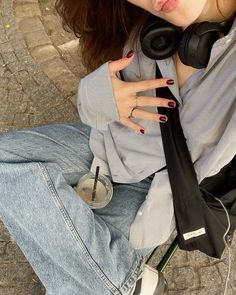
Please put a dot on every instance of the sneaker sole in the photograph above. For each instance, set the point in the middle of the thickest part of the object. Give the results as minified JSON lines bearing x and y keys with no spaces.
{"x":161,"y":288}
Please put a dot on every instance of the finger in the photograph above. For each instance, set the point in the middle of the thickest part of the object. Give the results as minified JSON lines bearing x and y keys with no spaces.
{"x":148,"y":84}
{"x":141,"y":114}
{"x":120,"y":64}
{"x":129,"y":123}
{"x":155,"y":102}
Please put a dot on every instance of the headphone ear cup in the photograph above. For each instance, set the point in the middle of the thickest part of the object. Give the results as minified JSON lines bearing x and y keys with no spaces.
{"x":159,"y":39}
{"x":196,"y":44}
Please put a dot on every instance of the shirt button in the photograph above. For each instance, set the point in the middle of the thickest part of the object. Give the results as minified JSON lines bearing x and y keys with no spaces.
{"x":140,"y":213}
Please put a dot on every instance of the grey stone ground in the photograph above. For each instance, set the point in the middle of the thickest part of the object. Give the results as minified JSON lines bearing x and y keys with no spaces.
{"x":39,"y":73}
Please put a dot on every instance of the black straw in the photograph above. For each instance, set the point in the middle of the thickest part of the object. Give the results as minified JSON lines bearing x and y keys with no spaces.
{"x":95,"y":184}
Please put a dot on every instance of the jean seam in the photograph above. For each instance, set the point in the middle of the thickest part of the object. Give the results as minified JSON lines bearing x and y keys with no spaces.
{"x":129,"y":283}
{"x":93,"y":264}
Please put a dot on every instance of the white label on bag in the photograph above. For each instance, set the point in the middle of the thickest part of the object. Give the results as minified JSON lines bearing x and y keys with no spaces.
{"x":195,"y":233}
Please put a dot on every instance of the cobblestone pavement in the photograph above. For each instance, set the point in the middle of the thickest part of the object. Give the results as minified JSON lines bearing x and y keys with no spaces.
{"x":39,"y":73}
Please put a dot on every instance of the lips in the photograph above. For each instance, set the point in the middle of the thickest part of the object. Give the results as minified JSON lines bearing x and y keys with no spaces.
{"x":158,"y":4}
{"x":165,"y":5}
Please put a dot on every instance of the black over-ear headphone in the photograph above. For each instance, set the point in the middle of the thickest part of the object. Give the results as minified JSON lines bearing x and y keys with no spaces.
{"x":160,"y":39}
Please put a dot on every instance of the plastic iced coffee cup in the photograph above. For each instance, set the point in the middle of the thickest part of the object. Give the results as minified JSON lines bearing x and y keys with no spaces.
{"x":95,"y":191}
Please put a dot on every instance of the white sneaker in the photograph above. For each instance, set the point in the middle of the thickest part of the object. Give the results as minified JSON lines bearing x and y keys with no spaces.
{"x":150,"y":282}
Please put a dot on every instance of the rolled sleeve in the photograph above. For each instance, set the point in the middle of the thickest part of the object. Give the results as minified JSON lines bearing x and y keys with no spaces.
{"x":95,"y":99}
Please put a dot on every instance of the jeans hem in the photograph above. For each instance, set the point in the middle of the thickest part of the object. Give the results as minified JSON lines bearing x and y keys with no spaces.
{"x":129,"y":283}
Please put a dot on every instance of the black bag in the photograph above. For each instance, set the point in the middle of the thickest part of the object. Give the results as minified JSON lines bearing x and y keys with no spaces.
{"x":200,"y":217}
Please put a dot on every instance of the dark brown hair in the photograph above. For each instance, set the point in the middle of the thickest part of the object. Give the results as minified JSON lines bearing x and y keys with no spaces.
{"x":103,"y":26}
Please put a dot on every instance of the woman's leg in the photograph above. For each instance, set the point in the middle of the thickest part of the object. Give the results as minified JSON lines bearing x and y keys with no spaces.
{"x":72,"y":250}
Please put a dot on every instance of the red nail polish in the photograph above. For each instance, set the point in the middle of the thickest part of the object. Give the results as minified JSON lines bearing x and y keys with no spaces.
{"x":142,"y":131}
{"x":170,"y":82}
{"x":130,"y":54}
{"x":171,"y":104}
{"x":163,"y":119}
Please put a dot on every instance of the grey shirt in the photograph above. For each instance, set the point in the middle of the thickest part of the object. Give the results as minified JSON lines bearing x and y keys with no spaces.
{"x":208,"y":116}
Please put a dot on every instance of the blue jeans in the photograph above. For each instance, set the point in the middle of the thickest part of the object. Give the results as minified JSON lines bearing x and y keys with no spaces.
{"x":73,"y":249}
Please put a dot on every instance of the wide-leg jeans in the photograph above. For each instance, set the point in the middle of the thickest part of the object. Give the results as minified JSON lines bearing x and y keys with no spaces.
{"x":74,"y":250}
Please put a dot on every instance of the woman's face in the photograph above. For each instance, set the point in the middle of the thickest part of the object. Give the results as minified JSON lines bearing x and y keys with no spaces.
{"x":178,"y":12}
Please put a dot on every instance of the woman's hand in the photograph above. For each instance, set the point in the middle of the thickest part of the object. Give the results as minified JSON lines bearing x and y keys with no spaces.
{"x":127,"y":101}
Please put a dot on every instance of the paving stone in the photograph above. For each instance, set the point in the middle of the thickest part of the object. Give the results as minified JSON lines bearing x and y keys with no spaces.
{"x":12,"y":32}
{"x":61,"y":113}
{"x":41,"y":78}
{"x":21,"y":120}
{"x":16,"y":107}
{"x":11,"y":274}
{"x":29,"y":86}
{"x":36,"y":120}
{"x":3,"y":246}
{"x":53,"y":28}
{"x":1,"y":59}
{"x":200,"y":259}
{"x":54,"y":68}
{"x":44,"y":53}
{"x":4,"y":109}
{"x":3,"y":38}
{"x":22,"y":54}
{"x":5,"y":47}
{"x":9,"y":57}
{"x":6,"y":72}
{"x":183,"y":292}
{"x":7,"y":10}
{"x":18,"y":43}
{"x":37,"y":38}
{"x":15,"y":36}
{"x":6,"y":119}
{"x":67,"y":84}
{"x":184,"y":278}
{"x":20,"y":2}
{"x":73,"y":99}
{"x":180,"y":259}
{"x":71,"y":56}
{"x":31,"y":24}
{"x":14,"y":85}
{"x":13,"y":254}
{"x":27,"y":10}
{"x":30,"y":66}
{"x":211,"y":279}
{"x":21,"y":76}
{"x":43,"y":102}
{"x":23,"y":289}
{"x":223,"y":268}
{"x":7,"y":6}
{"x":3,"y":83}
{"x":2,"y":70}
{"x":15,"y":67}
{"x":4,"y":95}
{"x":1,"y":23}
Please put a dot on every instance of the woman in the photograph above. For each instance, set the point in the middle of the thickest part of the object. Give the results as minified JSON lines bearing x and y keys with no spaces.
{"x":73,"y":249}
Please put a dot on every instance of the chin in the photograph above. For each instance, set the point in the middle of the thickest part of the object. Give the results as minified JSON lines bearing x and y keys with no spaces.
{"x":178,"y":19}
{"x":187,"y":12}
{"x":182,"y":23}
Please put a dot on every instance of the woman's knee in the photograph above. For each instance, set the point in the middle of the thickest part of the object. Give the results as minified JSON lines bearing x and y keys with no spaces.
{"x":66,"y":143}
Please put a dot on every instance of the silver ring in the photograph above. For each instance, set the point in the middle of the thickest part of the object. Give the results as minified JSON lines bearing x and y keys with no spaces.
{"x":136,"y":105}
{"x":131,"y":113}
